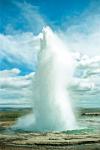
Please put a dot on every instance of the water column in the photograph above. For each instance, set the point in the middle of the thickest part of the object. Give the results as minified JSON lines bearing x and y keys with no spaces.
{"x":52,"y":105}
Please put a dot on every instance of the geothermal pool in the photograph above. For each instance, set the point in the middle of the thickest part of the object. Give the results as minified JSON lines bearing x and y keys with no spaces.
{"x":87,"y":137}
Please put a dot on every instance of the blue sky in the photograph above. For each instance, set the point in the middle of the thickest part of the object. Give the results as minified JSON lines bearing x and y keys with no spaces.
{"x":78,"y":21}
{"x":17,"y":17}
{"x":53,"y":11}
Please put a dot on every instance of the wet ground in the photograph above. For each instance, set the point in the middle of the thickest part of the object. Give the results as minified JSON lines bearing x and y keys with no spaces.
{"x":86,"y":138}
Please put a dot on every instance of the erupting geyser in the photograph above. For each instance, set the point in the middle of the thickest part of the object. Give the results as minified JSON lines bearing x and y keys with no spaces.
{"x":52,"y":110}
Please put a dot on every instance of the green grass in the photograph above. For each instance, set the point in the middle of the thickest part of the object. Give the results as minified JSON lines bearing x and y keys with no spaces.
{"x":12,"y":115}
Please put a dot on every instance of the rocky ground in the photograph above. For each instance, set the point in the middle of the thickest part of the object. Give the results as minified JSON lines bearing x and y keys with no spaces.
{"x":25,"y":141}
{"x":83,"y":139}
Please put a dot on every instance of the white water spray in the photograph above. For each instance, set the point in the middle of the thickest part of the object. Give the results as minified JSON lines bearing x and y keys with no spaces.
{"x":52,"y":110}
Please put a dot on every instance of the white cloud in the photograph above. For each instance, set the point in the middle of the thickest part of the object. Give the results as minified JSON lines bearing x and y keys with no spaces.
{"x":30,"y":13}
{"x":87,"y":75}
{"x":7,"y":73}
{"x":83,"y":39}
{"x":87,"y":44}
{"x":15,"y":88}
{"x":90,"y":66}
{"x":83,"y":32}
{"x":21,"y":48}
